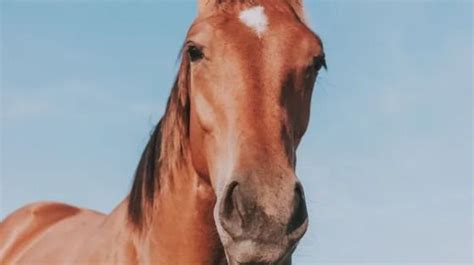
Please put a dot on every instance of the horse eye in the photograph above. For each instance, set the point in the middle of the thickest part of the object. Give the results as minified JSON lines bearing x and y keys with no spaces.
{"x":195,"y":53}
{"x":319,"y":62}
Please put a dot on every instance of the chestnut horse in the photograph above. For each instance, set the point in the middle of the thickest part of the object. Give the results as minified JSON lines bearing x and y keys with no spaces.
{"x":216,"y":183}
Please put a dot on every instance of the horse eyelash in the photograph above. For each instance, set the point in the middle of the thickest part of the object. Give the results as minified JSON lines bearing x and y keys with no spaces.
{"x":195,"y":53}
{"x":193,"y":50}
{"x":320,"y":62}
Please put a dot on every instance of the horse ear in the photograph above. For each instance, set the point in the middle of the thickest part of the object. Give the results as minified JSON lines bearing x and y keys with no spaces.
{"x":297,"y":6}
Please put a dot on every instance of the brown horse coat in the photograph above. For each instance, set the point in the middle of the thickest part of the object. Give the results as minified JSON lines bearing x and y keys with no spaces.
{"x":216,"y":183}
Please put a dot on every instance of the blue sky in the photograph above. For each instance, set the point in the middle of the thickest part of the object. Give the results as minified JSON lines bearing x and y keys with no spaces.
{"x":386,"y":163}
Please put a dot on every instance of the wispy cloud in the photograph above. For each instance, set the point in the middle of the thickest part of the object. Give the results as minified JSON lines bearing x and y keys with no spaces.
{"x":28,"y":108}
{"x":72,"y":99}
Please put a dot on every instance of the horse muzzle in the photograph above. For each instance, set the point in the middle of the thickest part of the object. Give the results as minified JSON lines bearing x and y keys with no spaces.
{"x":252,"y":235}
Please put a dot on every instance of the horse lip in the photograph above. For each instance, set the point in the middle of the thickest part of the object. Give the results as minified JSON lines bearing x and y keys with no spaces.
{"x":284,"y":260}
{"x":248,"y":251}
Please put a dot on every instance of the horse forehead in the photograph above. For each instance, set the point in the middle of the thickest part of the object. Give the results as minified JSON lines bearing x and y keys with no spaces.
{"x":265,"y":20}
{"x":255,"y":35}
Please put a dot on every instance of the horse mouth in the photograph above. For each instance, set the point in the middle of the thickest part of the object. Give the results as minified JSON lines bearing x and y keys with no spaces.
{"x":271,"y":256}
{"x":240,"y":251}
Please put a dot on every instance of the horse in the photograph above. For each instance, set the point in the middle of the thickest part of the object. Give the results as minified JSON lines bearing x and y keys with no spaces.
{"x":216,"y":183}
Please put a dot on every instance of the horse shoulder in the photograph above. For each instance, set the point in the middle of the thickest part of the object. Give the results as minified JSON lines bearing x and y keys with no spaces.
{"x":20,"y":229}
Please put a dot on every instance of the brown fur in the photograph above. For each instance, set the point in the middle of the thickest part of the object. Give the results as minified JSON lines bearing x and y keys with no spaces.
{"x":216,"y":182}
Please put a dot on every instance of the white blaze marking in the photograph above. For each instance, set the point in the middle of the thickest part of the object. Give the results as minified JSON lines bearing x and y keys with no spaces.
{"x":255,"y":18}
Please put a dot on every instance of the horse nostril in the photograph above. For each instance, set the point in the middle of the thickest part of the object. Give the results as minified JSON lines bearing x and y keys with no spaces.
{"x":228,"y":206}
{"x":300,"y":213}
{"x":232,"y":209}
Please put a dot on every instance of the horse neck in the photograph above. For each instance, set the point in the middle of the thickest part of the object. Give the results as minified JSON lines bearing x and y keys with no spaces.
{"x":182,"y":228}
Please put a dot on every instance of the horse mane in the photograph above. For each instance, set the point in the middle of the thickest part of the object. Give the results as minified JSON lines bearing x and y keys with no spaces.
{"x":164,"y":151}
